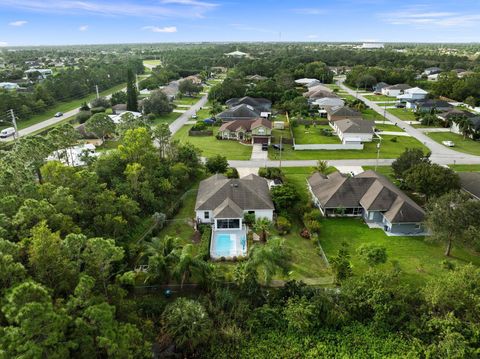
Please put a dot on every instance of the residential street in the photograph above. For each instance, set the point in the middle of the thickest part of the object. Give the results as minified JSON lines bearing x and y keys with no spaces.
{"x":185,"y":117}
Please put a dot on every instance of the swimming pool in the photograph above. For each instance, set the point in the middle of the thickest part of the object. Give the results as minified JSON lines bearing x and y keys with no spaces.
{"x":228,"y":244}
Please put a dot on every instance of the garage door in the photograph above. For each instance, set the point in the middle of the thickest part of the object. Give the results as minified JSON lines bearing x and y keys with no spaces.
{"x":260,"y":140}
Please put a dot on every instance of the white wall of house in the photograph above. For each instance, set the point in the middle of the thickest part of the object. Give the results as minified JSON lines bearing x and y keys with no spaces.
{"x":353,"y":137}
{"x":262,"y":213}
{"x":391,"y":93}
{"x":202,"y":217}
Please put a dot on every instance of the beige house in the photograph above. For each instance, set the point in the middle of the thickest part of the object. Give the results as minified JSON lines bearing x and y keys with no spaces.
{"x":256,"y":131}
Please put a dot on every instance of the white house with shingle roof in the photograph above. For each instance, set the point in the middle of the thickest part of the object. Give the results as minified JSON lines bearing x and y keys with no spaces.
{"x":353,"y":131}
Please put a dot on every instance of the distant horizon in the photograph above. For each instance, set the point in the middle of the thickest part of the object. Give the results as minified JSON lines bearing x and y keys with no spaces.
{"x":94,"y":22}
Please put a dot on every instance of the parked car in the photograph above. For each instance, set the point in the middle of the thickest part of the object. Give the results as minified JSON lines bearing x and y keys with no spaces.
{"x":194,"y":117}
{"x":209,"y":121}
{"x":400,"y":105}
{"x":7,"y":132}
{"x":59,"y":114}
{"x":449,"y":143}
{"x":264,"y":146}
{"x":278,"y":147}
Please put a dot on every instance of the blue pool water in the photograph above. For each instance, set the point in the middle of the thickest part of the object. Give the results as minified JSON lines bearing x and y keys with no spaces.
{"x":223,"y":244}
{"x":229,"y":245}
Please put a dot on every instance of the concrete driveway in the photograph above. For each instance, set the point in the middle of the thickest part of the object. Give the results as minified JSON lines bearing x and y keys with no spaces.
{"x":258,"y":154}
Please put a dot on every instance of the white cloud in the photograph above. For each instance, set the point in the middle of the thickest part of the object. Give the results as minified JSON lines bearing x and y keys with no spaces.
{"x":3,"y":43}
{"x":309,"y":11}
{"x":168,"y":29}
{"x":18,"y":23}
{"x":83,"y":28}
{"x":421,"y":16}
{"x":165,"y":8}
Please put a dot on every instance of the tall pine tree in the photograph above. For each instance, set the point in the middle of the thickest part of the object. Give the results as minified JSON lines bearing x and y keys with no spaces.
{"x":132,"y":102}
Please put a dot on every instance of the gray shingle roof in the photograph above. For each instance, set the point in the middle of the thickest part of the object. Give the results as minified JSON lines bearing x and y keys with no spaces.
{"x":247,"y":125}
{"x":258,"y":103}
{"x":354,"y":126}
{"x":369,"y":190}
{"x":239,"y":112}
{"x":343,"y":111}
{"x":248,"y":193}
{"x":228,"y":209}
{"x":470,"y":182}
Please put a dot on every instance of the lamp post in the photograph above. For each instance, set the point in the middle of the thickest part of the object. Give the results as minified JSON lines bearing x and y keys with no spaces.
{"x":378,"y":154}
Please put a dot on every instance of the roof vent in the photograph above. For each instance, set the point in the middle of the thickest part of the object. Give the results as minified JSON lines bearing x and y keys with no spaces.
{"x":234,"y":185}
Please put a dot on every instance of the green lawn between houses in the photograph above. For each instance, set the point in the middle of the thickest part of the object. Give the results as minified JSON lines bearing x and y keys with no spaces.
{"x":465,"y":168}
{"x":402,"y":114}
{"x":313,"y":135}
{"x":370,"y":114}
{"x":462,"y":145}
{"x":168,"y":118}
{"x":388,"y":127}
{"x":388,"y":149}
{"x":418,"y":259}
{"x":377,"y":98}
{"x":186,"y":100}
{"x":210,"y":146}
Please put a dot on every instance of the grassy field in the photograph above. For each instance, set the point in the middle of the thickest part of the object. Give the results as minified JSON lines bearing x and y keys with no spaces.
{"x":379,"y":98}
{"x":418,"y":259}
{"x":388,"y":127}
{"x":65,"y":107}
{"x":152,"y":62}
{"x":210,"y":146}
{"x":168,"y":118}
{"x":402,"y":114}
{"x":465,"y":168}
{"x":187,"y":100}
{"x":313,"y":135}
{"x":370,"y":114}
{"x":388,"y":149}
{"x":462,"y":145}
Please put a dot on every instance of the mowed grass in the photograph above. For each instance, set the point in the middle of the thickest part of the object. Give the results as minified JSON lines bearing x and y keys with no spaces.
{"x":377,"y":98}
{"x":168,"y":118}
{"x":210,"y":146}
{"x":402,"y":114}
{"x":370,"y":114}
{"x":388,"y":127}
{"x":187,"y":100}
{"x":462,"y":145}
{"x":152,"y":62}
{"x":65,"y":107}
{"x":465,"y":168}
{"x":314,"y":135}
{"x":418,"y":259}
{"x":388,"y":149}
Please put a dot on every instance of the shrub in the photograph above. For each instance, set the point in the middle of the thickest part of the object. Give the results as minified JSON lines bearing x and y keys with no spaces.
{"x":271,"y":173}
{"x":283,"y":225}
{"x":199,"y":126}
{"x":293,"y":123}
{"x":372,"y":254}
{"x":83,"y":116}
{"x":448,"y":265}
{"x":312,"y":215}
{"x":95,"y":110}
{"x":249,"y":219}
{"x":232,"y":172}
{"x":393,"y":139}
{"x":305,"y":233}
{"x":313,"y":226}
{"x":151,"y":117}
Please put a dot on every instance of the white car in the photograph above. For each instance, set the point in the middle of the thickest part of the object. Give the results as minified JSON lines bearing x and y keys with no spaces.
{"x":448,"y":143}
{"x":7,"y":132}
{"x":59,"y":114}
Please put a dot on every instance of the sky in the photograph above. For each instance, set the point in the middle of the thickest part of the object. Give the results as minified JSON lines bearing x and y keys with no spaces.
{"x":62,"y":22}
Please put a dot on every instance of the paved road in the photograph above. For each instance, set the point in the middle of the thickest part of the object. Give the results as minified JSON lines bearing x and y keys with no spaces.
{"x":184,"y":117}
{"x":440,"y":153}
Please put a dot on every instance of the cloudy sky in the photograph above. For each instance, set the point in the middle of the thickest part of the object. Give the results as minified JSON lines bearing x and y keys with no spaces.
{"x":51,"y":22}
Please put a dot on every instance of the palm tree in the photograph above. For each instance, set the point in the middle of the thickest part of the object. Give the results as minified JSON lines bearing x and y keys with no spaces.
{"x":189,"y":264}
{"x":215,"y":108}
{"x":262,"y":225}
{"x":268,"y":259}
{"x":322,"y":167}
{"x":162,"y":254}
{"x":464,"y":124}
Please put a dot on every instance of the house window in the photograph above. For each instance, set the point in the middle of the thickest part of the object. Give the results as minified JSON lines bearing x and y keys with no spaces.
{"x":206,"y":214}
{"x":228,"y":223}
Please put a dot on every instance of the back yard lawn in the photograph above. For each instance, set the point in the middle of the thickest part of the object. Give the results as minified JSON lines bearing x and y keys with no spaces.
{"x":314,"y":135}
{"x":418,"y":259}
{"x":370,"y":114}
{"x":462,"y":145}
{"x":388,"y":149}
{"x":402,"y":114}
{"x":210,"y":146}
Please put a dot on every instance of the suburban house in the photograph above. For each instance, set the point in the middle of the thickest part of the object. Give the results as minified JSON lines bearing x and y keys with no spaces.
{"x":395,"y":90}
{"x":239,"y":112}
{"x":223,"y":202}
{"x":259,"y":104}
{"x":452,"y":113}
{"x":414,"y":93}
{"x":325,"y":103}
{"x":256,"y":78}
{"x":433,"y":77}
{"x":342,"y":113}
{"x":427,"y":105}
{"x":194,"y":78}
{"x":306,"y":81}
{"x":432,"y":71}
{"x":257,"y":131}
{"x":377,"y":89}
{"x":316,"y":88}
{"x":368,"y":195}
{"x":9,"y":86}
{"x":171,"y":90}
{"x":74,"y":156}
{"x":119,"y":117}
{"x":121,"y":108}
{"x":475,"y":121}
{"x":470,"y":183}
{"x":42,"y":73}
{"x":315,"y":95}
{"x":236,"y":54}
{"x":372,"y":45}
{"x":354,"y":131}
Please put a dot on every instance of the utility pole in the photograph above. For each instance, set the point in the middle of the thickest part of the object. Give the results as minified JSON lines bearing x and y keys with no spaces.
{"x":281,"y":149}
{"x":378,"y":154}
{"x":14,"y":122}
{"x":96,"y":89}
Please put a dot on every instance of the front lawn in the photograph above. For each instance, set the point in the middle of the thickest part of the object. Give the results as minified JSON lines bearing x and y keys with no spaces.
{"x":314,"y":135}
{"x":370,"y":114}
{"x":210,"y":146}
{"x":168,"y":118}
{"x":418,"y":259}
{"x":186,"y":100}
{"x":388,"y":127}
{"x":462,"y":145}
{"x":465,"y":168}
{"x":388,"y":149}
{"x":402,"y":114}
{"x":378,"y":98}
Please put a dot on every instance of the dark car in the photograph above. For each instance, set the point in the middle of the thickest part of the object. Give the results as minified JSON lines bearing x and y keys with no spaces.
{"x":278,"y":147}
{"x":264,"y":146}
{"x":209,"y":121}
{"x":400,"y":105}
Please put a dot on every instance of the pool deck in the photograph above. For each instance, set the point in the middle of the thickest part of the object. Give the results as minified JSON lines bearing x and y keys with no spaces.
{"x":238,"y":251}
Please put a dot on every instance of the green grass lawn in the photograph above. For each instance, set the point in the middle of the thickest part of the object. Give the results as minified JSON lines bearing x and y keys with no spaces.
{"x":313,"y":135}
{"x":345,"y":96}
{"x":108,"y":145}
{"x":418,"y":259}
{"x":462,"y":145}
{"x":370,"y":114}
{"x":186,"y":100}
{"x":379,"y":98}
{"x":388,"y":127}
{"x":383,"y":170}
{"x":168,"y":118}
{"x":388,"y":149}
{"x":465,"y":168}
{"x":65,"y":107}
{"x":152,"y":62}
{"x":402,"y":114}
{"x":210,"y":146}
{"x":284,"y":134}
